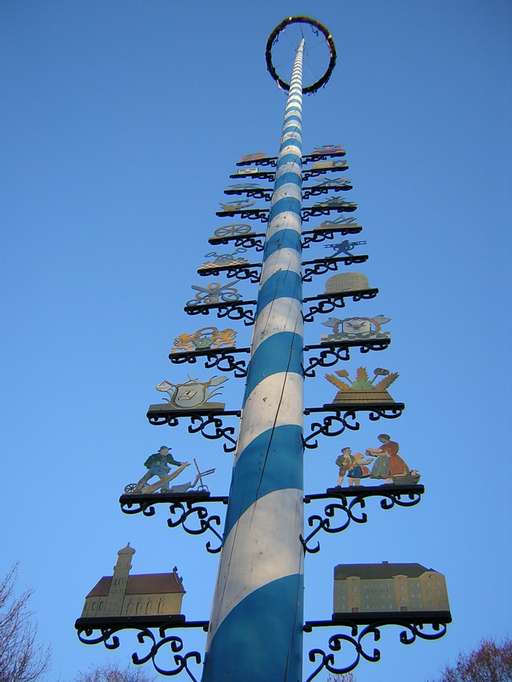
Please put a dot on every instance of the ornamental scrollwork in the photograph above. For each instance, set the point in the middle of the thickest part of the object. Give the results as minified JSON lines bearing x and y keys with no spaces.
{"x":226,"y":362}
{"x":156,"y":641}
{"x":326,"y":303}
{"x":201,"y":423}
{"x":328,"y":357}
{"x":331,"y":425}
{"x":182,"y":512}
{"x":237,"y":312}
{"x":350,"y":502}
{"x":356,"y":639}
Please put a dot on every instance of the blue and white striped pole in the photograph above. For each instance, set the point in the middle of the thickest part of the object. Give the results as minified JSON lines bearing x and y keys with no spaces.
{"x":255,"y":630}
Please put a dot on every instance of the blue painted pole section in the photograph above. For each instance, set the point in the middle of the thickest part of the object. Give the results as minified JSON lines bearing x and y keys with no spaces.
{"x":256,"y":623}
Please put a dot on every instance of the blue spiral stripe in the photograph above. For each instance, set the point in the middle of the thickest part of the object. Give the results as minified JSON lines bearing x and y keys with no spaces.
{"x":274,"y":658}
{"x":265,"y":465}
{"x":282,"y":284}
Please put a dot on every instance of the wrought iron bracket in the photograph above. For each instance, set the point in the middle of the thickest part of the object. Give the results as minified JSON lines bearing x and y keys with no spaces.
{"x":360,"y":627}
{"x":260,"y":175}
{"x":322,"y":156}
{"x":249,"y":241}
{"x":181,"y":512}
{"x":222,"y":358}
{"x":350,"y":501}
{"x":236,"y":310}
{"x":308,"y":173}
{"x":105,"y":630}
{"x":319,"y":266}
{"x":250,"y":271}
{"x":317,"y":190}
{"x":265,"y":161}
{"x":182,"y":508}
{"x":332,"y":352}
{"x":247,"y":214}
{"x":329,"y":302}
{"x":256,"y":193}
{"x":343,"y":416}
{"x":308,"y":212}
{"x":327,"y":234}
{"x":201,"y":420}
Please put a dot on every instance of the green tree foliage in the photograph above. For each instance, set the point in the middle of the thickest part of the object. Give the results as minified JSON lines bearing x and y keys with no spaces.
{"x":491,"y":662}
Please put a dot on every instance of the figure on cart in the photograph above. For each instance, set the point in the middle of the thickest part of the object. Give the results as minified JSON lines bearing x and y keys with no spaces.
{"x":159,"y":465}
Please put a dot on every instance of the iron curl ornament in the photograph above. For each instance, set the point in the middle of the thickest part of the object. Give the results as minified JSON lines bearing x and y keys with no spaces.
{"x":349,"y":503}
{"x":183,"y":507}
{"x":255,"y":241}
{"x":221,"y":358}
{"x":323,"y":234}
{"x":236,"y":310}
{"x":318,"y":27}
{"x":105,"y":631}
{"x":413,"y":626}
{"x":326,"y":303}
{"x":320,"y":266}
{"x":201,"y":421}
{"x":246,"y":271}
{"x":331,"y":353}
{"x":343,"y":416}
{"x":182,"y":512}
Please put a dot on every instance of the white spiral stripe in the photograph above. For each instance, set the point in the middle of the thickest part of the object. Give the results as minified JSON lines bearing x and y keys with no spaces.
{"x":260,"y":540}
{"x":285,"y":259}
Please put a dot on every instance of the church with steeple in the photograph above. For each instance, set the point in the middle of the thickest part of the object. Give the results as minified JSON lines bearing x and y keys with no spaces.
{"x":122,"y":594}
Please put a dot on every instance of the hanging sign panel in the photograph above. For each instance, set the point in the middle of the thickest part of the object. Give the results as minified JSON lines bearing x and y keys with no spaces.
{"x":401,"y":588}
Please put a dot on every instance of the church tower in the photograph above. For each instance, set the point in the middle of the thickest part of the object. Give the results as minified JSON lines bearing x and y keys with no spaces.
{"x":114,"y":602}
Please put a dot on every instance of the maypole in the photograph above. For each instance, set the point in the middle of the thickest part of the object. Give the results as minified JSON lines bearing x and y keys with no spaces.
{"x":256,"y":627}
{"x":256,"y":622}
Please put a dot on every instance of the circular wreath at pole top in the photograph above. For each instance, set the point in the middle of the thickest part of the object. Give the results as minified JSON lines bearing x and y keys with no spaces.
{"x":273,"y":37}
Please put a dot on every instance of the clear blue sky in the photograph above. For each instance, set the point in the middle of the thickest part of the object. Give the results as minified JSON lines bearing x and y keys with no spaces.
{"x":120,"y":122}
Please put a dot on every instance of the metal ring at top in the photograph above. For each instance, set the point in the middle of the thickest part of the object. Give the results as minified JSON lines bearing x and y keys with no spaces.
{"x":272,"y":39}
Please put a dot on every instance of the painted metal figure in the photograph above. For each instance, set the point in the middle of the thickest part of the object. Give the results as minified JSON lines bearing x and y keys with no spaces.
{"x":224,"y":259}
{"x":206,"y":338}
{"x":337,"y":222}
{"x":236,"y":205}
{"x":192,"y":394}
{"x":351,"y":328}
{"x":215,"y":292}
{"x":345,"y":247}
{"x":157,"y":465}
{"x":362,"y":389}
{"x":233,"y":230}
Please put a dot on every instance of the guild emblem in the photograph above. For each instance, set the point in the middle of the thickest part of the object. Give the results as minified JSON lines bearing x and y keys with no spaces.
{"x":192,"y":394}
{"x":215,"y":292}
{"x":351,"y":328}
{"x":362,"y":389}
{"x":206,"y":338}
{"x":233,"y":230}
{"x":238,"y":205}
{"x":347,"y":281}
{"x":224,"y":259}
